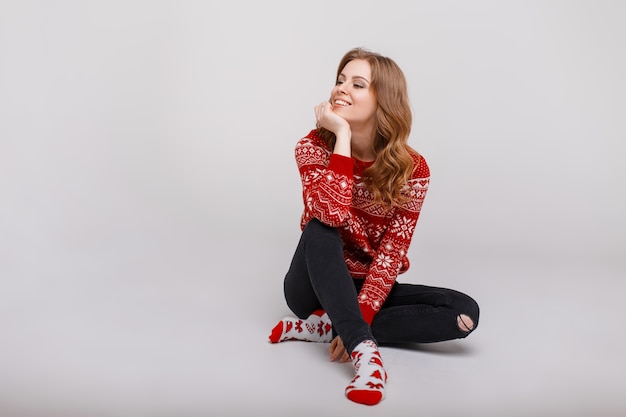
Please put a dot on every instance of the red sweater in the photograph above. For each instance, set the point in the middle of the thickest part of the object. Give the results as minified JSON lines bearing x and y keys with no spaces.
{"x":375,"y":242}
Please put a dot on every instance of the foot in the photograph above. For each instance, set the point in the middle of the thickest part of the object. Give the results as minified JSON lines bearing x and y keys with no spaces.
{"x":368,"y":385}
{"x":316,"y":328}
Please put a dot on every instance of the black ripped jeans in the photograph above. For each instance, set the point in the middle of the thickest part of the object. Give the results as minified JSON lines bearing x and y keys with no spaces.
{"x":318,"y":278}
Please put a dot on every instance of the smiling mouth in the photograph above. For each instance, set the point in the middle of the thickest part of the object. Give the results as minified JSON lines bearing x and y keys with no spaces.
{"x":342,"y":103}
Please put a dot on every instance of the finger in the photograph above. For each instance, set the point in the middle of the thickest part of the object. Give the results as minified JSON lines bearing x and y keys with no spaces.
{"x":333,"y":343}
{"x":326,"y":109}
{"x":344,"y":353}
{"x":339,"y":351}
{"x":319,"y":113}
{"x":334,"y":353}
{"x":332,"y":346}
{"x":336,"y":349}
{"x":338,"y":355}
{"x":343,"y":356}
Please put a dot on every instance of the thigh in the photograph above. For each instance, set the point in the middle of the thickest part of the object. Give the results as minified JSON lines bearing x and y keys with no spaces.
{"x":423,"y":314}
{"x":403,"y":294}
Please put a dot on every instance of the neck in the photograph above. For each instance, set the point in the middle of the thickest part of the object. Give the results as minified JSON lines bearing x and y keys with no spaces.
{"x":362,"y":145}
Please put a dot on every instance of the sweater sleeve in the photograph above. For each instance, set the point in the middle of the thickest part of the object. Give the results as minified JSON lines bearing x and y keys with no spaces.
{"x":327,"y":181}
{"x":390,"y":258}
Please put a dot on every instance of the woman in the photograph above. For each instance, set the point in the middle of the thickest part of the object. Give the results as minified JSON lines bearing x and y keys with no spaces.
{"x":363,"y":188}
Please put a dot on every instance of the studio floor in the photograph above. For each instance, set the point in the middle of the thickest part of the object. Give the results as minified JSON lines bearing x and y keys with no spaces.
{"x":157,"y":330}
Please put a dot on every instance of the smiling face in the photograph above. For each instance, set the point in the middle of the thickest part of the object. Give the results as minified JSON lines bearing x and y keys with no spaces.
{"x":353,"y":97}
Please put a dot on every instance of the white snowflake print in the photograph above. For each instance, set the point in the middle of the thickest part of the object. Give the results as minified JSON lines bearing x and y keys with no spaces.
{"x":403,"y":227}
{"x":383,"y":260}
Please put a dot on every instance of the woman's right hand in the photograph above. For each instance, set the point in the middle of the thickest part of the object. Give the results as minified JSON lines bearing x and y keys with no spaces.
{"x":325,"y":117}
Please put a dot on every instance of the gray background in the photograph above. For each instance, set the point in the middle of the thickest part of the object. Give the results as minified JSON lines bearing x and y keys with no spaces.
{"x":150,"y":203}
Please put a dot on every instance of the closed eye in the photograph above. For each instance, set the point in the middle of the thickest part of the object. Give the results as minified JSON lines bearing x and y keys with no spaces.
{"x":339,"y":82}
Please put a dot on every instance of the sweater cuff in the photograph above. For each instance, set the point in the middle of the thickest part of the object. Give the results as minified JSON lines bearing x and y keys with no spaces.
{"x":341,"y":164}
{"x":368,"y":313}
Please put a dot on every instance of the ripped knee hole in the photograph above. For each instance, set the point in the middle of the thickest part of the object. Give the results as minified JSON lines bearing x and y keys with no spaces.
{"x":465,"y":323}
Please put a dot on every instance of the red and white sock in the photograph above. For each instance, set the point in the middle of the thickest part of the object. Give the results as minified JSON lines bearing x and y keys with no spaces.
{"x":368,"y":385}
{"x":316,"y":328}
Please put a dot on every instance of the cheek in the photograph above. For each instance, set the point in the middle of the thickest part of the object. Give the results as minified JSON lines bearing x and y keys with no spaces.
{"x":373,"y":106}
{"x":372,"y":101}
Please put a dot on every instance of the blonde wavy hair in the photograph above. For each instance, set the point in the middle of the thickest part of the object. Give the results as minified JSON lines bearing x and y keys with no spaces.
{"x":387,"y":177}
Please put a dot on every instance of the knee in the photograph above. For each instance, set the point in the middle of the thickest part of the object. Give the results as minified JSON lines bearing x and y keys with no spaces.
{"x":465,"y":323}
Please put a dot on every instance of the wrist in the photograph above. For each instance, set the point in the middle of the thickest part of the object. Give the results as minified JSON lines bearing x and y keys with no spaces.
{"x":342,"y":143}
{"x":343,"y":133}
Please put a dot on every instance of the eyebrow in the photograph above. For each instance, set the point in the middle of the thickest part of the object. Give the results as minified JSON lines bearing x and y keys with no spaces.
{"x":356,"y":76}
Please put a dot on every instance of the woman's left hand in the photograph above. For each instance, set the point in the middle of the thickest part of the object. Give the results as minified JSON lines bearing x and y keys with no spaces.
{"x":338,"y":351}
